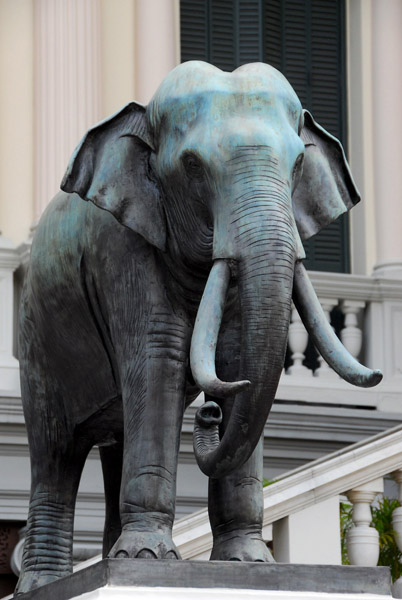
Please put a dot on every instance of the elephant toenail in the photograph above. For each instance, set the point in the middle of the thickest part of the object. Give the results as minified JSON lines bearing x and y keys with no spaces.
{"x":170,"y":555}
{"x":145,"y":554}
{"x":121,"y":554}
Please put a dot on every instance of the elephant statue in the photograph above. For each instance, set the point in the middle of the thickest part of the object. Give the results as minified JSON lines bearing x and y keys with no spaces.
{"x":167,"y":266}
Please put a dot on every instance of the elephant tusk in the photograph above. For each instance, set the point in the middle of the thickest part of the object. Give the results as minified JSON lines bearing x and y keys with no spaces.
{"x":205,"y":335}
{"x":324,"y":337}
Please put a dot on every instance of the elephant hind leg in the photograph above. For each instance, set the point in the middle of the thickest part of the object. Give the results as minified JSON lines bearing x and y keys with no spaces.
{"x":49,"y":540}
{"x":112,"y":464}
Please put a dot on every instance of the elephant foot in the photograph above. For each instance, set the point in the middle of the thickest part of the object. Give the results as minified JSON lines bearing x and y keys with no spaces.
{"x":241,"y":546}
{"x":33,"y":579}
{"x":145,"y":544}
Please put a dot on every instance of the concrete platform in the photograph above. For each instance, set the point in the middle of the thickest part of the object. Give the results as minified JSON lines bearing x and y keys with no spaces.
{"x":116,"y":579}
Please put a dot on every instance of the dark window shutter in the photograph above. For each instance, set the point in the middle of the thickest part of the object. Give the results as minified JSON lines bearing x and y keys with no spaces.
{"x":250,"y":31}
{"x":226,"y":33}
{"x":194,"y":30}
{"x":305,"y":39}
{"x":224,"y":38}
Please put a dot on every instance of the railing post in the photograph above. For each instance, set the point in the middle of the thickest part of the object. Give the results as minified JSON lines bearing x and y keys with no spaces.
{"x":363,"y":540}
{"x":397,"y":526}
{"x":324,"y":370}
{"x":9,"y":366}
{"x":397,"y":514}
{"x":351,"y":334}
{"x":298,"y":340}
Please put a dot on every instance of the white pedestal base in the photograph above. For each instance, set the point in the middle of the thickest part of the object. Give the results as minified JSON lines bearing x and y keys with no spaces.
{"x":128,"y":593}
{"x":113,"y":579}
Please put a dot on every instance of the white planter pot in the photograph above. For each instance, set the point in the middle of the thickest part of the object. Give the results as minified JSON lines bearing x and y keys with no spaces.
{"x":363,"y":546}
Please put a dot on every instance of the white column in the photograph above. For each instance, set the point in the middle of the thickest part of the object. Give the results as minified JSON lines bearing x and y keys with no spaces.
{"x":156,"y":44}
{"x":67,"y":79}
{"x":360,"y":133}
{"x":387,"y":94}
{"x":9,"y":368}
{"x":118,"y":54}
{"x":16,"y":118}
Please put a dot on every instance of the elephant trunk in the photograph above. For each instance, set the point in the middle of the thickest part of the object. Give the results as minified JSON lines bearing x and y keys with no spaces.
{"x":265,"y":280}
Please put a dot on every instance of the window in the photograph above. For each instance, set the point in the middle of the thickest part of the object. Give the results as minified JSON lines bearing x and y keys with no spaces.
{"x":305,"y":39}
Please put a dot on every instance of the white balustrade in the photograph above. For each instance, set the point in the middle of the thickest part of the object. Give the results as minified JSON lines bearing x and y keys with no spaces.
{"x":351,"y":336}
{"x":362,"y":539}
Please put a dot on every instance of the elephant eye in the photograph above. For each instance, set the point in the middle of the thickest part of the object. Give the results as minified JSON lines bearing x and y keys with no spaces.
{"x":192,"y":166}
{"x":298,"y":163}
{"x":297,"y":170}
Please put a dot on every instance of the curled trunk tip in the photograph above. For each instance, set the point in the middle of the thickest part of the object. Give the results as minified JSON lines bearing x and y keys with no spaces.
{"x":209,"y":415}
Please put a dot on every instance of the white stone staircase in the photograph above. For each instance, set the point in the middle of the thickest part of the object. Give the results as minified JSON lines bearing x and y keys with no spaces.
{"x":295,"y":505}
{"x":362,"y":465}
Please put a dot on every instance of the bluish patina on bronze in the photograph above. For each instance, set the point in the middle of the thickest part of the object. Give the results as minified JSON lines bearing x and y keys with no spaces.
{"x":211,"y":187}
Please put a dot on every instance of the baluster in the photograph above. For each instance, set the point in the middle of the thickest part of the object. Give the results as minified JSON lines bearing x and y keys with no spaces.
{"x":351,"y":334}
{"x":397,"y":514}
{"x":363,"y":540}
{"x":298,"y":340}
{"x":325,"y":370}
{"x":397,"y":526}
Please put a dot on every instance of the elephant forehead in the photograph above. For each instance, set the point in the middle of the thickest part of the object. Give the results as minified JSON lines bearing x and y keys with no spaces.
{"x":195,"y":89}
{"x":214,"y":110}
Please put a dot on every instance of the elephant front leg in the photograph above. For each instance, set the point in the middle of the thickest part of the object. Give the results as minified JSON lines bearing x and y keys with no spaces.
{"x":49,"y":540}
{"x":153,"y":395}
{"x":235,"y":506}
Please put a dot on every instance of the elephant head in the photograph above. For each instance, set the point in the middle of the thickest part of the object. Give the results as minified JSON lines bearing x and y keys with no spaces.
{"x":226,"y":173}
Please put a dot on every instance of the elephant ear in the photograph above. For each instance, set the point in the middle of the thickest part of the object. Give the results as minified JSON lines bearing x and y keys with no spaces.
{"x":111,"y":168}
{"x":326,"y":189}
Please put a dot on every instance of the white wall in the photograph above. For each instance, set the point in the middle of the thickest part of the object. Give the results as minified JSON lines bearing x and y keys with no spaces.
{"x":16,"y":118}
{"x":64,"y":66}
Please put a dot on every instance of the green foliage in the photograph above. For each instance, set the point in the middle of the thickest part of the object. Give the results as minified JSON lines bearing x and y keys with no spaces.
{"x":266,"y":482}
{"x":390,"y":555}
{"x":346,"y":523}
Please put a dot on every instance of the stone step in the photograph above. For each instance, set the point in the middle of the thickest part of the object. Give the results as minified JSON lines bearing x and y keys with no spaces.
{"x":148,"y":579}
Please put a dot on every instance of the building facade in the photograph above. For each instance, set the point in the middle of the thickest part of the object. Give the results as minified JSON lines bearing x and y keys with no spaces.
{"x":66,"y":64}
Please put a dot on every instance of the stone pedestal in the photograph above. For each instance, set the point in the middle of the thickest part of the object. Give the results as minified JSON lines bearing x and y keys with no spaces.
{"x":190,"y":580}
